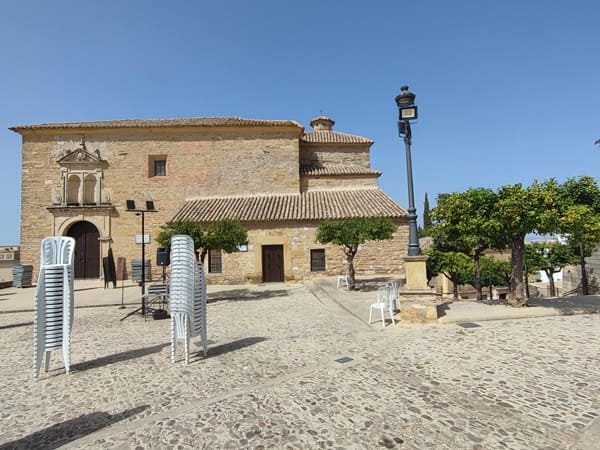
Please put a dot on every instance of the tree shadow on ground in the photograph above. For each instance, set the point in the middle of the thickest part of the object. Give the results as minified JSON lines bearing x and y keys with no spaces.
{"x":62,"y":433}
{"x":15,"y":325}
{"x":588,"y":304}
{"x":245,"y":294}
{"x":118,"y":357}
{"x":233,"y":346}
{"x":375,"y":283}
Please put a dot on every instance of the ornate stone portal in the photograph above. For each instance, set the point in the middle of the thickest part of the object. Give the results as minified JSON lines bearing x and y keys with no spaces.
{"x":82,"y":195}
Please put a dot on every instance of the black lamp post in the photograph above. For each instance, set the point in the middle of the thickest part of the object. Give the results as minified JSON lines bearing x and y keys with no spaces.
{"x":140,"y":212}
{"x":407,"y":111}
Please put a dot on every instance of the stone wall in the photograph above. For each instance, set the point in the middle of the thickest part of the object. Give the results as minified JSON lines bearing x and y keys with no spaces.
{"x":298,"y":238}
{"x":200,"y":162}
{"x":336,"y":182}
{"x":356,"y":154}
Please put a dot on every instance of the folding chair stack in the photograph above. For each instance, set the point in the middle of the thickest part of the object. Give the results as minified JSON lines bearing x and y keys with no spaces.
{"x":54,"y":302}
{"x":187,"y":296}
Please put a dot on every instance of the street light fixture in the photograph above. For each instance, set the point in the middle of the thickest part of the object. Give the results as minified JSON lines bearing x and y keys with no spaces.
{"x":407,"y":111}
{"x":140,"y":212}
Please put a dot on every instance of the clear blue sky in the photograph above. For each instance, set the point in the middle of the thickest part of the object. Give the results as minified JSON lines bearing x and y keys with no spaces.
{"x":508,"y":91}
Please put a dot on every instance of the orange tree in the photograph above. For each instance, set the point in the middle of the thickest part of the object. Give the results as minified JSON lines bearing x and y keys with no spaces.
{"x":350,"y":233}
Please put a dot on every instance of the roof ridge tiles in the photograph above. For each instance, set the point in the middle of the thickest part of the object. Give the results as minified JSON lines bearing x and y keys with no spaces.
{"x":225,"y":121}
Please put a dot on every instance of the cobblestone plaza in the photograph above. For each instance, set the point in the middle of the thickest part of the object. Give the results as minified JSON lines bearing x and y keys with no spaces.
{"x":275,"y":377}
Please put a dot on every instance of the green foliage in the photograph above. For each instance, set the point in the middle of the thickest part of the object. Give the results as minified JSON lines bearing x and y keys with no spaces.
{"x":350,"y":233}
{"x":426,"y":230}
{"x":223,"y":235}
{"x":353,"y":232}
{"x":495,"y":272}
{"x":523,"y":210}
{"x":549,"y":257}
{"x":187,"y":227}
{"x":480,"y":218}
{"x":464,"y":221}
{"x":456,"y":266}
{"x":580,"y":215}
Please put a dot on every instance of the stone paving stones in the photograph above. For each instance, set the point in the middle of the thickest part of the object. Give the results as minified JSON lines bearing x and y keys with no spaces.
{"x":271,"y":380}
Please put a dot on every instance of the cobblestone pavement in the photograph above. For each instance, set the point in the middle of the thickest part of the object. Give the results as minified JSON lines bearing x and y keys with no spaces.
{"x":271,"y":380}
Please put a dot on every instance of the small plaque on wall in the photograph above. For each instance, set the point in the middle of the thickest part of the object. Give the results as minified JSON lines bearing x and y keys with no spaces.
{"x":138,"y":238}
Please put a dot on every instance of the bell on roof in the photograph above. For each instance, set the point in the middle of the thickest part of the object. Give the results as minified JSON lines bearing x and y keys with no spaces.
{"x":321,"y":122}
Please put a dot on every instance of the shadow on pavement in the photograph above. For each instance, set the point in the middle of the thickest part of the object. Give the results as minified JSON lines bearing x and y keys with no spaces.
{"x":16,"y":325}
{"x":119,"y":357}
{"x":246,"y":294}
{"x":70,"y":430}
{"x":569,"y":305}
{"x":443,"y":308}
{"x":235,"y":345}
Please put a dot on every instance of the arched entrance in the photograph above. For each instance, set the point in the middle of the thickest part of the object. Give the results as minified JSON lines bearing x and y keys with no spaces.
{"x":87,"y":249}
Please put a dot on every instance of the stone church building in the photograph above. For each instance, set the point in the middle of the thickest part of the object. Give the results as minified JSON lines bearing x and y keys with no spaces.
{"x":271,"y":176}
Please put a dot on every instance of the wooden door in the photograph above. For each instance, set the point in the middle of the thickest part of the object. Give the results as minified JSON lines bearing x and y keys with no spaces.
{"x":87,"y":249}
{"x":272,"y":263}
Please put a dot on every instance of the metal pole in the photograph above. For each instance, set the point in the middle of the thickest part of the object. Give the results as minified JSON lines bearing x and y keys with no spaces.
{"x":143,"y":283}
{"x":413,"y":234}
{"x":584,"y":280}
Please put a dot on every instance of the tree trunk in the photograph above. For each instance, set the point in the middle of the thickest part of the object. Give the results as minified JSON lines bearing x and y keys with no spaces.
{"x":550,"y":275}
{"x":349,"y":267}
{"x":517,"y":295}
{"x":202,"y":255}
{"x":454,"y":285}
{"x":477,"y":270}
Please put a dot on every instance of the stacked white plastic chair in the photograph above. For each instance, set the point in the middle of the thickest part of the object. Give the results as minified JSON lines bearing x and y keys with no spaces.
{"x":187,"y":298}
{"x":54,"y":302}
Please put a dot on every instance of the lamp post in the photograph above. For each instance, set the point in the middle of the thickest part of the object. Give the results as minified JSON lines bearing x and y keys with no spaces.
{"x":407,"y":111}
{"x":140,"y":212}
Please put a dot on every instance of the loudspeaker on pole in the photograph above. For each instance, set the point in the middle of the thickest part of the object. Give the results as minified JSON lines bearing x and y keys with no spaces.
{"x":163,"y":256}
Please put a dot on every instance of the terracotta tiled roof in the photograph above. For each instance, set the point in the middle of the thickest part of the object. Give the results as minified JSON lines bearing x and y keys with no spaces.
{"x":159,"y":123}
{"x":336,"y":169}
{"x":333,"y":137}
{"x":311,"y":205}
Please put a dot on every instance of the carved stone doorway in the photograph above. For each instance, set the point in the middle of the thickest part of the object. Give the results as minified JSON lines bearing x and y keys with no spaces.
{"x":87,"y":249}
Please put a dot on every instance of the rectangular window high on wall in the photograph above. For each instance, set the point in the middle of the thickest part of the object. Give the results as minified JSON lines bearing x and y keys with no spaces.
{"x":160,"y":168}
{"x":215,"y":262}
{"x":157,"y":166}
{"x":317,"y":260}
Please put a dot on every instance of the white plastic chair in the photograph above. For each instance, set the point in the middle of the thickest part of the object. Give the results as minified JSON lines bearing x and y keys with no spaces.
{"x":343,"y":279}
{"x":54,"y":302}
{"x":383,"y":303}
{"x":394,"y":294}
{"x":187,"y":296}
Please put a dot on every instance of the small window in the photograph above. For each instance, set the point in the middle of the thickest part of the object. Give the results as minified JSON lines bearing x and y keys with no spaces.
{"x":317,"y":260}
{"x":157,"y":166}
{"x":160,"y":167}
{"x":215,"y":263}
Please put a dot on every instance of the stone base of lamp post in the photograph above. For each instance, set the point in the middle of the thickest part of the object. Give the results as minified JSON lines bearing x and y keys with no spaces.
{"x":417,"y":300}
